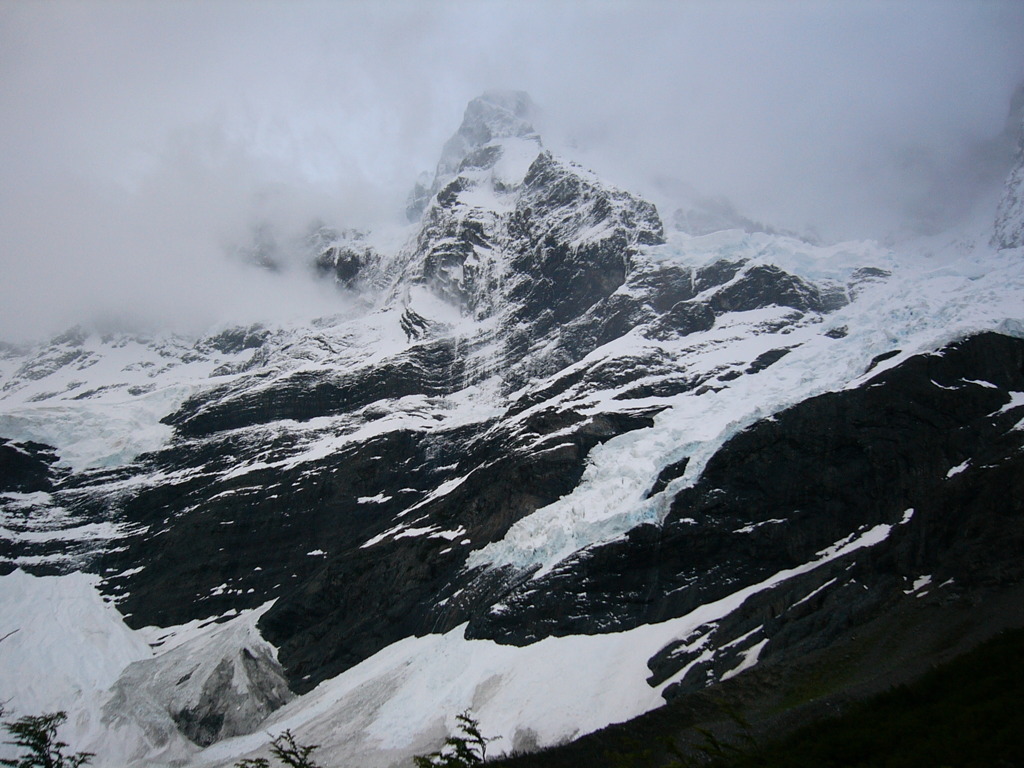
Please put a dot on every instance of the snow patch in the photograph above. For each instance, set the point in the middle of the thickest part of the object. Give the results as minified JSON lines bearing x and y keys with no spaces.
{"x":750,"y":657}
{"x":919,"y":583}
{"x":853,"y":542}
{"x":814,"y":592}
{"x":380,"y":498}
{"x":1016,"y":401}
{"x":755,"y":526}
{"x":958,"y":469}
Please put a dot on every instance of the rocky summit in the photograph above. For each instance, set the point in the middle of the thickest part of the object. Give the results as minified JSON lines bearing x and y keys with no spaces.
{"x":552,"y":462}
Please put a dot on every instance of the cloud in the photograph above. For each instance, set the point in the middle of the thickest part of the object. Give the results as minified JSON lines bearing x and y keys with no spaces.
{"x":141,"y":141}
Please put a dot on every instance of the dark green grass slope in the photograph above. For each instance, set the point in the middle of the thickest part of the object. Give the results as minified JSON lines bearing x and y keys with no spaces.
{"x":969,"y":712}
{"x":903,"y":694}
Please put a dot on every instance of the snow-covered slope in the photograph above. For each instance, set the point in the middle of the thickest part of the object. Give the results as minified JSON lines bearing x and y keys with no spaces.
{"x":543,"y":444}
{"x":100,"y":398}
{"x":63,"y":648}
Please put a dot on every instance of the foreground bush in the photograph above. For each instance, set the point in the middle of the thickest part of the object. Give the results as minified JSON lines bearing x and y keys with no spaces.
{"x":36,"y":737}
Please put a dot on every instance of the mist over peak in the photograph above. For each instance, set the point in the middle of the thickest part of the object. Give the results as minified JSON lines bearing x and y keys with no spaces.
{"x":495,"y":114}
{"x":146,"y":143}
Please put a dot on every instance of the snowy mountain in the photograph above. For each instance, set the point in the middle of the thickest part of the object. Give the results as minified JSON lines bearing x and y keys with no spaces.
{"x":544,"y":453}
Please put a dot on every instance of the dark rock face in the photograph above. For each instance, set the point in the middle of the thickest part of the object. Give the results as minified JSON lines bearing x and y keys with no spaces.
{"x":343,"y":256}
{"x":966,"y":537}
{"x":238,"y":339}
{"x":556,"y":205}
{"x":761,"y":286}
{"x":932,"y":435}
{"x":567,"y":243}
{"x":347,"y":263}
{"x":386,"y":553}
{"x":209,"y":535}
{"x":365,"y":549}
{"x":26,"y":467}
{"x":211,"y":718}
{"x":366,"y":598}
{"x":28,"y":477}
{"x":431,"y":369}
{"x":347,"y":602}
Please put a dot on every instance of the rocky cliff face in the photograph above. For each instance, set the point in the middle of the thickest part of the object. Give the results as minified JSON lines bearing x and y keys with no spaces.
{"x":545,"y":422}
{"x":1009,"y":229}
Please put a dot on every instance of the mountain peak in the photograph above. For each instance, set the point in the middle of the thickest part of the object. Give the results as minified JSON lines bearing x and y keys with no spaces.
{"x":496,"y":114}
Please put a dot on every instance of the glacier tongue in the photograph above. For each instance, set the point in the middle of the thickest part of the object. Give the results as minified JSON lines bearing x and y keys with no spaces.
{"x":63,"y":647}
{"x":222,"y":682}
{"x":929,"y":301}
{"x":130,"y":695}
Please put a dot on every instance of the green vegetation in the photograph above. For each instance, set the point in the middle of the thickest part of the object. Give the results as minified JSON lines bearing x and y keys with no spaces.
{"x":36,"y":737}
{"x":965,"y":714}
{"x":287,"y":751}
{"x":463,"y":749}
{"x":467,"y":747}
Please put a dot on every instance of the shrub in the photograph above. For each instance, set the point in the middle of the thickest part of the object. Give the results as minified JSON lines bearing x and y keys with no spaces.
{"x":36,"y":736}
{"x":466,"y":748}
{"x":285,"y":749}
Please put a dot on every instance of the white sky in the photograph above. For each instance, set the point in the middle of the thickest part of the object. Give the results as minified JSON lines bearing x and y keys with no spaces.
{"x":139,"y":140}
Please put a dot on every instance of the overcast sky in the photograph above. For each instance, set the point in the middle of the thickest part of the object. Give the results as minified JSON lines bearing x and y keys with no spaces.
{"x":141,"y":140}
